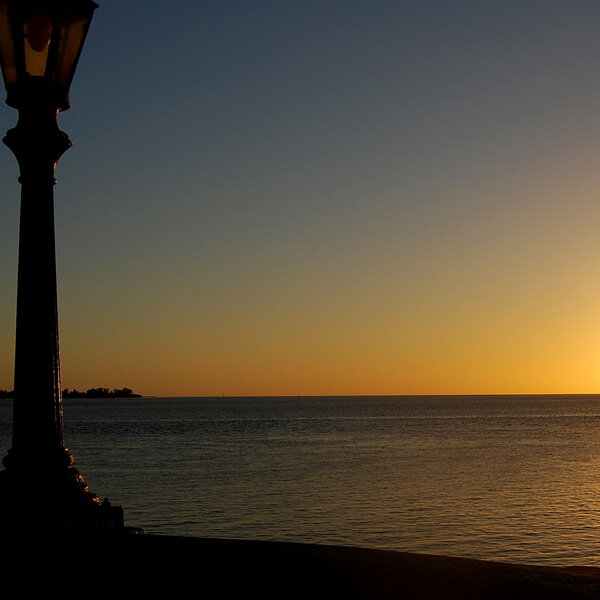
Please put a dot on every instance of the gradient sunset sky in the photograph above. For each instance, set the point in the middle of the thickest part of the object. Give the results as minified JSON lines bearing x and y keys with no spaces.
{"x":323,"y":197}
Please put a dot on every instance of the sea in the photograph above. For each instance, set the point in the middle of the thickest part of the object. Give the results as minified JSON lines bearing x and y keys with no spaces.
{"x":508,"y":478}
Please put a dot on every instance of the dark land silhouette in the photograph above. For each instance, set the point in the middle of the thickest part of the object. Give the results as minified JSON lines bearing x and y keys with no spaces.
{"x":100,"y":392}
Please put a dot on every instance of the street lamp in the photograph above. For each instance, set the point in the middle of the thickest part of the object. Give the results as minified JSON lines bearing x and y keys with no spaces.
{"x":40,"y":44}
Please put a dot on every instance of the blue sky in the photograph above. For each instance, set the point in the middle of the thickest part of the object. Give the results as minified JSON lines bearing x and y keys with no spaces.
{"x":327,"y":197}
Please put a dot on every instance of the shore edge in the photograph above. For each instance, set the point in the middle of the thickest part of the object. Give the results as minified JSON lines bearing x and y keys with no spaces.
{"x":269,"y":569}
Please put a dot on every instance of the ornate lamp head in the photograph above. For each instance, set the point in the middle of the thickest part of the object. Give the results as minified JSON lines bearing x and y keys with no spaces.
{"x":40,"y":44}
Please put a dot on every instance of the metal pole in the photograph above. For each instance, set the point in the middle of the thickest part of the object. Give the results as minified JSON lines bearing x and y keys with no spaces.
{"x":39,"y":488}
{"x":37,"y":415}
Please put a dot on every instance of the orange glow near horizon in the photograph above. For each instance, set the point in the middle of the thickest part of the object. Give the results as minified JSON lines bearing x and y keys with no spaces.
{"x":497,"y":311}
{"x":508,"y":308}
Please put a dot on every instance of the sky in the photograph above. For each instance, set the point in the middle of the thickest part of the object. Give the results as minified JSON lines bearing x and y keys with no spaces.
{"x":327,"y":198}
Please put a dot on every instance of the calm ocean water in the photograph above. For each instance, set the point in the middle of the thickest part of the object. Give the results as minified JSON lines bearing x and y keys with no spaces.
{"x":513,"y":478}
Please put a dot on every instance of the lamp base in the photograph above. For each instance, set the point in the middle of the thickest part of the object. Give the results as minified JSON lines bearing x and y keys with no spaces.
{"x":49,"y":496}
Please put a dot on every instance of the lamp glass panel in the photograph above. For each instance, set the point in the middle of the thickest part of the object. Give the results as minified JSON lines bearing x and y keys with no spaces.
{"x":72,"y":34}
{"x":7,"y":48}
{"x":37,"y":30}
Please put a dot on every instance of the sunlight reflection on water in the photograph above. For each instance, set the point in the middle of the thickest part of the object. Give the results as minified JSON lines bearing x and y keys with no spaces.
{"x":497,"y":478}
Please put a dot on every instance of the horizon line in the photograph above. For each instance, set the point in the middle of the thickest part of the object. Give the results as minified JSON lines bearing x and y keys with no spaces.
{"x":438,"y":395}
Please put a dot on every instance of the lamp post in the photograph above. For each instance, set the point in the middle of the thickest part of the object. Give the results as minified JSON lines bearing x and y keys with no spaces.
{"x":40,"y":44}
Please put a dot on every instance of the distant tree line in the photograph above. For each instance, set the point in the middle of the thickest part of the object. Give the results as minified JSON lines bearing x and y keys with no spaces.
{"x":101,"y":393}
{"x":91,"y":393}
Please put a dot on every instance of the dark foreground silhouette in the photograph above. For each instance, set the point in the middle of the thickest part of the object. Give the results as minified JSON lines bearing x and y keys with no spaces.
{"x":213,"y":568}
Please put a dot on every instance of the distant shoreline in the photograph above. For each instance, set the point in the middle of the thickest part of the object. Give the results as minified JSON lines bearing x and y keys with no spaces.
{"x":391,"y":396}
{"x":90,"y":393}
{"x":127,"y":393}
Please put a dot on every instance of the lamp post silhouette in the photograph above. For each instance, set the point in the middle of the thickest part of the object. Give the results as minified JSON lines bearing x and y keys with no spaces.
{"x":40,"y":44}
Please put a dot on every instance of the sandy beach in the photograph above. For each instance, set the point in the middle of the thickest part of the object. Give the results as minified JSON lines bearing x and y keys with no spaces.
{"x":217,"y":568}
